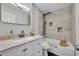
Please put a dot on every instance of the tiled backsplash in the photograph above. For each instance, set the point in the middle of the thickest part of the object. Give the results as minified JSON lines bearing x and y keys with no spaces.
{"x":6,"y":28}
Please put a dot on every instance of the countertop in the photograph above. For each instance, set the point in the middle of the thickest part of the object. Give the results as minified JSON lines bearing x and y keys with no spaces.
{"x":6,"y":44}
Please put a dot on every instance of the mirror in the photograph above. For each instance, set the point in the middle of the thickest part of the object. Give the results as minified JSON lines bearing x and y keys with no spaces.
{"x":15,"y":13}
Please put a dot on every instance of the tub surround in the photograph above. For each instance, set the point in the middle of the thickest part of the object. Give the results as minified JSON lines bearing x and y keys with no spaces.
{"x":52,"y":45}
{"x":59,"y":24}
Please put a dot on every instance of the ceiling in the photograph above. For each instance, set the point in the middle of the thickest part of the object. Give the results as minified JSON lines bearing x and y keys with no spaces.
{"x":51,"y":7}
{"x":29,"y":5}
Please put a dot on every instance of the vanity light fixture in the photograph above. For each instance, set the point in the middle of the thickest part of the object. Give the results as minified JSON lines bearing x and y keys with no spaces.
{"x":21,"y":6}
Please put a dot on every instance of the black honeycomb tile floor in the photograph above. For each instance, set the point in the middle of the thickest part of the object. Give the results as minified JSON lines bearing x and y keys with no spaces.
{"x":51,"y":54}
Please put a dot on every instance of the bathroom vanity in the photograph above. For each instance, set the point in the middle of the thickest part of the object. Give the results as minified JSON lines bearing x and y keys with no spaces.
{"x":28,"y":46}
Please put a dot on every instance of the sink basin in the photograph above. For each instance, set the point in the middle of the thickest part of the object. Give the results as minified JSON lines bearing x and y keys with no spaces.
{"x":7,"y":37}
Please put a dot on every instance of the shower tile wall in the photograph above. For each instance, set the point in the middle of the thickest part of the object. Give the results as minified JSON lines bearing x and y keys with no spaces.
{"x":61,"y":18}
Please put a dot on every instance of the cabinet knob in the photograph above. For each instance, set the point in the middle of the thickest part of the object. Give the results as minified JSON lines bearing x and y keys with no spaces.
{"x":24,"y":49}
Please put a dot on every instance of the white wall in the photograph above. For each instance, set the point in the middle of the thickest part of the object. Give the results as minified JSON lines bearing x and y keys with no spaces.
{"x":77,"y":22}
{"x":73,"y":25}
{"x":61,"y":18}
{"x":37,"y":20}
{"x":41,"y":23}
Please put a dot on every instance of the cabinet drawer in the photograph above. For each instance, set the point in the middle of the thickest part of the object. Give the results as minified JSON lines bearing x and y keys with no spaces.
{"x":15,"y":51}
{"x":39,"y":52}
{"x":30,"y":49}
{"x":30,"y":46}
{"x":38,"y":45}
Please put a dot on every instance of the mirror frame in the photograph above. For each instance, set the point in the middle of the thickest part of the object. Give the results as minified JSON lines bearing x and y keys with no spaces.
{"x":30,"y":15}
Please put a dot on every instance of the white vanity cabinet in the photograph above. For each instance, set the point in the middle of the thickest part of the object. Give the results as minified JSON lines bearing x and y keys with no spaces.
{"x":32,"y":48}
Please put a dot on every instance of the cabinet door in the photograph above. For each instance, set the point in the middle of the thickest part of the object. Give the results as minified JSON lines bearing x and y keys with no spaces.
{"x":30,"y":49}
{"x":15,"y":51}
{"x":39,"y":52}
{"x":38,"y":46}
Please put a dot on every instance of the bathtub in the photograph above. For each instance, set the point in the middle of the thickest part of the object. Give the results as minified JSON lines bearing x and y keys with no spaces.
{"x":52,"y":46}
